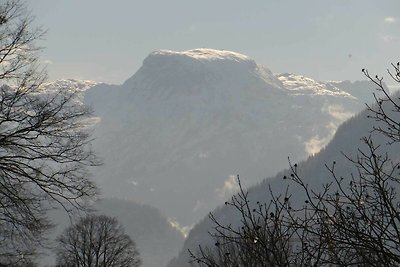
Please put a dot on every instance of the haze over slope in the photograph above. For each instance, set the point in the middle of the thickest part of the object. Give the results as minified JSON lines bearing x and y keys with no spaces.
{"x":175,"y":133}
{"x":313,"y":171}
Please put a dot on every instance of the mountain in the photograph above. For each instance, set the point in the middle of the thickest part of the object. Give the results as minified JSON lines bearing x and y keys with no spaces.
{"x":176,"y":133}
{"x":346,"y":143}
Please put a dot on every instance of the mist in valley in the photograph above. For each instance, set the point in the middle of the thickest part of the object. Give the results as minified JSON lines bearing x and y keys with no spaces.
{"x":137,"y":120}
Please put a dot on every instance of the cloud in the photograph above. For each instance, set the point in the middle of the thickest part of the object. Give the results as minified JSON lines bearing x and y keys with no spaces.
{"x":198,"y":206}
{"x":317,"y":142}
{"x":390,"y":20}
{"x":337,"y":112}
{"x":390,"y":38}
{"x":203,"y":155}
{"x":192,"y":28}
{"x":230,"y":187}
{"x":183,"y":229}
{"x":47,"y":62}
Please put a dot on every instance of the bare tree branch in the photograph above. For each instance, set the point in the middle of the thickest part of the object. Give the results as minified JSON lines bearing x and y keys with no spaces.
{"x":44,"y":140}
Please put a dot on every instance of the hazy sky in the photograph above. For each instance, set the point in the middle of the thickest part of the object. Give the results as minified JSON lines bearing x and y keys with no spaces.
{"x":107,"y":40}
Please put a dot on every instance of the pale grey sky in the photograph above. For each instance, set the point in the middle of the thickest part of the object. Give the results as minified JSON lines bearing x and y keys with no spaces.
{"x":105,"y":40}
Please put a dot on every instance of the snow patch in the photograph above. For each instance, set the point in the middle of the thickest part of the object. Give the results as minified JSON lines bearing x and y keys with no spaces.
{"x":205,"y":54}
{"x":301,"y":85}
{"x":70,"y":84}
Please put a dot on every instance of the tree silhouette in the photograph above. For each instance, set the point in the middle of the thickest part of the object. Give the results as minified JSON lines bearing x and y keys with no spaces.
{"x":97,"y":241}
{"x":44,"y":142}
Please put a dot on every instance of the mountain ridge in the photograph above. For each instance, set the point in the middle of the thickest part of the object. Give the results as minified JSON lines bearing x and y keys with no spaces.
{"x":190,"y":120}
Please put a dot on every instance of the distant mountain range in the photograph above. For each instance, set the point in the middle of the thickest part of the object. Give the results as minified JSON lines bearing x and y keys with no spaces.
{"x":175,"y":133}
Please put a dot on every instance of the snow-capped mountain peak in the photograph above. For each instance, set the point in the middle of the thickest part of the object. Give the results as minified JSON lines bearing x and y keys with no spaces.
{"x":201,"y":66}
{"x":301,"y":85}
{"x":193,"y":119}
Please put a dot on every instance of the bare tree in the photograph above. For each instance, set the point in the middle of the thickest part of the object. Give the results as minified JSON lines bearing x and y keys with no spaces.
{"x":352,"y":221}
{"x":265,"y":236}
{"x":358,"y":216}
{"x":44,"y":142}
{"x":386,"y":110}
{"x":97,"y":241}
{"x":360,"y":213}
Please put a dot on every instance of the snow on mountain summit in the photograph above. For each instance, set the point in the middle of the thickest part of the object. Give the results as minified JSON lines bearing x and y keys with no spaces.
{"x":201,"y":66}
{"x":205,"y":54}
